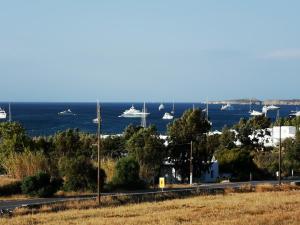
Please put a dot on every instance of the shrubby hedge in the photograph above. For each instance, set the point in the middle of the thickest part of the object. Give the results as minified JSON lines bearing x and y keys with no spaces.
{"x":40,"y":185}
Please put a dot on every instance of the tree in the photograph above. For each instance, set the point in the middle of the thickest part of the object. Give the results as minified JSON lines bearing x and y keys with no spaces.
{"x":191,"y":127}
{"x":236,"y":161}
{"x":127,"y":174}
{"x":79,"y":174}
{"x":13,"y":139}
{"x":245,"y":128}
{"x":148,"y":149}
{"x":292,"y":153}
{"x":227,"y":139}
{"x":113,"y":147}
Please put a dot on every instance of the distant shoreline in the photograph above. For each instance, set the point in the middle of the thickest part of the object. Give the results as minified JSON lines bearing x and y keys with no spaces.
{"x":257,"y":102}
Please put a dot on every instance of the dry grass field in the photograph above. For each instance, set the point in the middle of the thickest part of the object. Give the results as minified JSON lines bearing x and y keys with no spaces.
{"x":4,"y":180}
{"x":232,"y":208}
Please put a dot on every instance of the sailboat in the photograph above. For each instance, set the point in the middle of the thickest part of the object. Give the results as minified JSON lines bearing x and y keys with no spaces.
{"x":161,"y":107}
{"x":169,"y":116}
{"x":173,"y":109}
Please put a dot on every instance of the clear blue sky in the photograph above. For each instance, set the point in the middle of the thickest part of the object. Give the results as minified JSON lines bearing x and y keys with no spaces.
{"x":156,"y":50}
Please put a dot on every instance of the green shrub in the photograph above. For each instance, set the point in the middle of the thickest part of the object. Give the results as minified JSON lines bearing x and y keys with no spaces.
{"x":80,"y":174}
{"x":40,"y":185}
{"x":11,"y":189}
{"x":127,"y":174}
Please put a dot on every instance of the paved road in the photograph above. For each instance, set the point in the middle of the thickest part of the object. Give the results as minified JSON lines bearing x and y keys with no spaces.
{"x":12,"y":204}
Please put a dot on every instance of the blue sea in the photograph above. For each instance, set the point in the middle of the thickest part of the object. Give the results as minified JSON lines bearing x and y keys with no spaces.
{"x":43,"y":119}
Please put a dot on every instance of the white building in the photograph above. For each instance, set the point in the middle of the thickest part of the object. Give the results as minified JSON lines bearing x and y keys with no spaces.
{"x":286,"y":132}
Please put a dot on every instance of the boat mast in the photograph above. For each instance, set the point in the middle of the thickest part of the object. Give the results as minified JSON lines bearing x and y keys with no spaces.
{"x":143,"y":122}
{"x":173,"y":109}
{"x":9,"y":113}
{"x":206,"y":110}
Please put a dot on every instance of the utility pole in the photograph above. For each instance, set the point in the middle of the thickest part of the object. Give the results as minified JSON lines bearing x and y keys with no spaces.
{"x":98,"y":145}
{"x":279,"y":177}
{"x":191,"y":164}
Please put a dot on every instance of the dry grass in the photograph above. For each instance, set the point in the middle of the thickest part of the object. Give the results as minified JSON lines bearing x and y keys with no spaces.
{"x":4,"y":180}
{"x":27,"y":163}
{"x":236,"y":208}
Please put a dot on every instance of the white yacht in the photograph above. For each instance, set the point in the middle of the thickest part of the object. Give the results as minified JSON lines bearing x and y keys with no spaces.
{"x":270,"y":108}
{"x":95,"y":120}
{"x":2,"y":114}
{"x":256,"y":113}
{"x":161,"y":107}
{"x":227,"y":107}
{"x":167,"y":116}
{"x":67,"y":112}
{"x":273,"y":107}
{"x":295,"y":114}
{"x":133,"y":113}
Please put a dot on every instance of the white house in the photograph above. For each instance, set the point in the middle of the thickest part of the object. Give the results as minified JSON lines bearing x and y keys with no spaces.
{"x":286,"y":132}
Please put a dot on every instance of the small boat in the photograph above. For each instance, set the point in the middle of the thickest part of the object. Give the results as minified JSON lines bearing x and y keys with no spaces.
{"x":2,"y":114}
{"x":167,"y":116}
{"x":95,"y":120}
{"x":133,"y":113}
{"x":161,"y":107}
{"x":256,"y":113}
{"x":67,"y":112}
{"x":227,"y":107}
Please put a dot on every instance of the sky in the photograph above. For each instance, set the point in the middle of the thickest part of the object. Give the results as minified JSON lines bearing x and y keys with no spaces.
{"x":158,"y":50}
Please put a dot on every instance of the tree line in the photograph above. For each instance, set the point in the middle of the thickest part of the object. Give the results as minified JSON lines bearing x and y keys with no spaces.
{"x":135,"y":158}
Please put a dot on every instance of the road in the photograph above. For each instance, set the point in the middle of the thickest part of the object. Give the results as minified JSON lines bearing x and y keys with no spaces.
{"x":12,"y":204}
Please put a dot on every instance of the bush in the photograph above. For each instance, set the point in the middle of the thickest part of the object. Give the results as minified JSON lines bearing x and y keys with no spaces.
{"x":11,"y":189}
{"x":40,"y":185}
{"x":80,"y":174}
{"x":127,"y":174}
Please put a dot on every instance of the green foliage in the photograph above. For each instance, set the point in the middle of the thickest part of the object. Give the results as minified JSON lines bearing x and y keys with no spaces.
{"x":236,"y":161}
{"x":192,"y":126}
{"x":149,"y":150}
{"x":113,"y":147}
{"x":127,"y":174}
{"x":79,"y":174}
{"x":227,"y":139}
{"x":72,"y":143}
{"x":267,"y":162}
{"x":12,"y":139}
{"x":40,"y":185}
{"x":292,"y":153}
{"x":11,"y":189}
